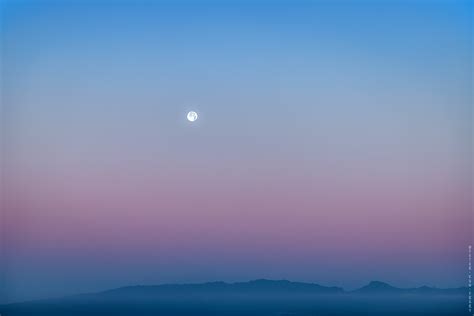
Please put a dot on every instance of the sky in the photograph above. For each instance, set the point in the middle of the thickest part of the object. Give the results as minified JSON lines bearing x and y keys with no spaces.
{"x":333,"y":143}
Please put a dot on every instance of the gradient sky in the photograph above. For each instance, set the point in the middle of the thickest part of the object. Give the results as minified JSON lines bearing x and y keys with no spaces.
{"x":333,"y":144}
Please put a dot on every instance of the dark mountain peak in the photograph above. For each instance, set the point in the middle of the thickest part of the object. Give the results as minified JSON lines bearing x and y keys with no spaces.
{"x":378,"y":287}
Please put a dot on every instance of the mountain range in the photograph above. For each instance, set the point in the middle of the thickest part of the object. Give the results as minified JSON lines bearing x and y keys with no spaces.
{"x":268,"y":287}
{"x":254,"y":298}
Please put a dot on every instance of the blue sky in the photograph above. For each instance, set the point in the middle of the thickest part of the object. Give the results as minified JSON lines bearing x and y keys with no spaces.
{"x":344,"y":125}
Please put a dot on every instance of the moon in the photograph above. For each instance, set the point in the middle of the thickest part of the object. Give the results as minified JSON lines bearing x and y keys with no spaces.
{"x":192,"y":116}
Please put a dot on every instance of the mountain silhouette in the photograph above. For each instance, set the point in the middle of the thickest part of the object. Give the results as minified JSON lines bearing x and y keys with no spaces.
{"x":254,"y":298}
{"x":377,"y":287}
{"x":261,"y":286}
{"x":268,"y":287}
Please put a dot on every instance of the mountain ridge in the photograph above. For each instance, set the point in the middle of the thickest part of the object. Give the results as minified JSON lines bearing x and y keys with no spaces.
{"x":268,"y":285}
{"x":258,"y":287}
{"x":245,"y":287}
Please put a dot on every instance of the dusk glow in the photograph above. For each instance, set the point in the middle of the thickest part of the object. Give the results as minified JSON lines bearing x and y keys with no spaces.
{"x":332,"y":144}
